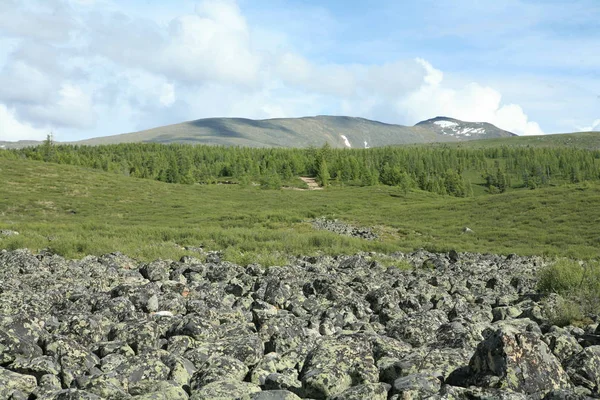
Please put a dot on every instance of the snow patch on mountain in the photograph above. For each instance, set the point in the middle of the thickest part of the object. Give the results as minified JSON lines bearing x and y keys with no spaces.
{"x":445,"y":124}
{"x":346,"y":141}
{"x":453,"y":128}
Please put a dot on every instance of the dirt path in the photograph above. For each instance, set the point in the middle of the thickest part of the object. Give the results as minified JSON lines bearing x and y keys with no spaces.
{"x":311,"y":183}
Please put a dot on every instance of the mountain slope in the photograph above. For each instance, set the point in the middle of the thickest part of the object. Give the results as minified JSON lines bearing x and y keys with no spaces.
{"x":296,"y":132}
{"x":450,"y":127}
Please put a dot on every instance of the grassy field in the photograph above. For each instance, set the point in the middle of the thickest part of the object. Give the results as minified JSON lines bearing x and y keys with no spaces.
{"x":76,"y":211}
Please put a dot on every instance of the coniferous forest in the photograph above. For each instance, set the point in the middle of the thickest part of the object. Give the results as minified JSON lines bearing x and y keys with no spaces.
{"x":440,"y":169}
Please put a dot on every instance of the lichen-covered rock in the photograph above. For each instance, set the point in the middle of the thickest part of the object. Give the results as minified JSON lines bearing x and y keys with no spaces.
{"x":157,"y":390}
{"x":372,"y":391}
{"x":156,"y":271}
{"x":11,"y":382}
{"x":418,"y":329}
{"x":564,"y":395}
{"x":224,"y":390}
{"x":219,"y":368}
{"x":519,"y":361}
{"x":143,"y":368}
{"x":562,"y":343}
{"x":584,"y":369}
{"x":416,"y":386}
{"x":275,"y":395}
{"x":72,"y":394}
{"x":437,"y":362}
{"x":107,"y":386}
{"x":474,"y":393}
{"x":284,"y":380}
{"x":336,"y":364}
{"x":319,"y":327}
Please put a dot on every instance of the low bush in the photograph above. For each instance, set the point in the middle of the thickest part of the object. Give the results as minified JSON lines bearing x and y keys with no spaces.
{"x":579,"y":284}
{"x":561,"y":277}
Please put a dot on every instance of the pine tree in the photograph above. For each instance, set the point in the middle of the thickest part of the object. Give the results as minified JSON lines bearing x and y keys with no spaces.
{"x":323,"y":175}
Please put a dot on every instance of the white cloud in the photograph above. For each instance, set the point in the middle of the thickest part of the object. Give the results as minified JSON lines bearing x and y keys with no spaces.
{"x":11,"y":129}
{"x":212,"y":45}
{"x":138,"y":72}
{"x":72,"y":108}
{"x":472,"y":102}
{"x":25,"y":84}
{"x":49,"y":21}
{"x":595,"y":126}
{"x":167,"y":98}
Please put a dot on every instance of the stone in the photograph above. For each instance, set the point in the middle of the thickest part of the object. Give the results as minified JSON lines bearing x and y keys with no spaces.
{"x":584,"y":369}
{"x":224,"y":390}
{"x":519,"y":361}
{"x":11,"y":382}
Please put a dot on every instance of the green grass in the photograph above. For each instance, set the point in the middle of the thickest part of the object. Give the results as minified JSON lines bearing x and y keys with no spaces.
{"x":76,"y":211}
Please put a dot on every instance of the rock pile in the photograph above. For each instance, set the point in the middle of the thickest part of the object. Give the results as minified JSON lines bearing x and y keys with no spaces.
{"x":341,"y":228}
{"x":458,"y":326}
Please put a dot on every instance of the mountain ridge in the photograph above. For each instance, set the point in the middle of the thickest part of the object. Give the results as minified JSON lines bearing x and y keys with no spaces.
{"x":338,"y":131}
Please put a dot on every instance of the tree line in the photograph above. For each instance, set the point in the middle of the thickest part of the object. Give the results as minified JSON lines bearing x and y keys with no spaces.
{"x":440,"y":169}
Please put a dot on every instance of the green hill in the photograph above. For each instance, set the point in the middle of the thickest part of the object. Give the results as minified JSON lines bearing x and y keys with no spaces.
{"x":581,"y":140}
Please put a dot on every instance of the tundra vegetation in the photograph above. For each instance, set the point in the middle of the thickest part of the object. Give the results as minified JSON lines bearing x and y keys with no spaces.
{"x":164,"y":201}
{"x":370,"y":288}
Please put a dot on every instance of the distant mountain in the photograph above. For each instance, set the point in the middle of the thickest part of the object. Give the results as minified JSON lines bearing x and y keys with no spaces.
{"x":462,"y":130}
{"x":338,"y":131}
{"x":18,"y":145}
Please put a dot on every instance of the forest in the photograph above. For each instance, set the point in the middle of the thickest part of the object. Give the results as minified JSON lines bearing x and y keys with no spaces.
{"x":439,"y":169}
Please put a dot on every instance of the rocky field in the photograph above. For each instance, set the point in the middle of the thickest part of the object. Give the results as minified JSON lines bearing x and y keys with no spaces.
{"x":457,"y":326}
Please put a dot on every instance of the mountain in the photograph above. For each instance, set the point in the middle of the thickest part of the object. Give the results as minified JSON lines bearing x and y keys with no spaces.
{"x":338,"y":131}
{"x":19,"y":144}
{"x":461,"y":130}
{"x":303,"y":132}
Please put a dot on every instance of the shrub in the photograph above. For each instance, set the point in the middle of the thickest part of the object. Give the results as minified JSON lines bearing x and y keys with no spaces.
{"x":580,"y":285}
{"x":564,"y":312}
{"x":562,"y":277}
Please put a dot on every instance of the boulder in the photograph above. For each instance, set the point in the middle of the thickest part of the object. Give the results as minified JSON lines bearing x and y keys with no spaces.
{"x":516,"y":360}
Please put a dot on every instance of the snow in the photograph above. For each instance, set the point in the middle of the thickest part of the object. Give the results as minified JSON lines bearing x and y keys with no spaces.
{"x":445,"y":124}
{"x":456,"y":129}
{"x":346,"y":141}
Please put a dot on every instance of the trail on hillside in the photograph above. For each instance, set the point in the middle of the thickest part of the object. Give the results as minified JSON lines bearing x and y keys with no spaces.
{"x":311,"y":183}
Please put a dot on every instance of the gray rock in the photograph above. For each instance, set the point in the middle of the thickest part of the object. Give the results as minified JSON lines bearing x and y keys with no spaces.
{"x":584,"y":369}
{"x":519,"y":361}
{"x":219,"y":368}
{"x":416,"y":386}
{"x":224,"y":390}
{"x":11,"y":382}
{"x":275,"y":395}
{"x":336,"y":364}
{"x":372,"y":391}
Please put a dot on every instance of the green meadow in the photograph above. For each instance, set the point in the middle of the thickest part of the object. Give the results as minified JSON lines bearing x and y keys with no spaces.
{"x":75,"y":211}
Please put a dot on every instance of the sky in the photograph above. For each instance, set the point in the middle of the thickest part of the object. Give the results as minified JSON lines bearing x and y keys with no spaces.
{"x":89,"y":68}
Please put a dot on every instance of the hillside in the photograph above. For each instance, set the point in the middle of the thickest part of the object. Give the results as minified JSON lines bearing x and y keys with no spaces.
{"x":340,"y":132}
{"x":293,"y":132}
{"x":579,"y":140}
{"x":77,"y":211}
{"x":461,"y":130}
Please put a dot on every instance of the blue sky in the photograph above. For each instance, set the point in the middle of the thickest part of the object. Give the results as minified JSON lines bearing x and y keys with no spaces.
{"x":86,"y":68}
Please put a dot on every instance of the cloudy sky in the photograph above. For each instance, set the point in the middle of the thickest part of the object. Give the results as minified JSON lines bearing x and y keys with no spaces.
{"x":86,"y":68}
